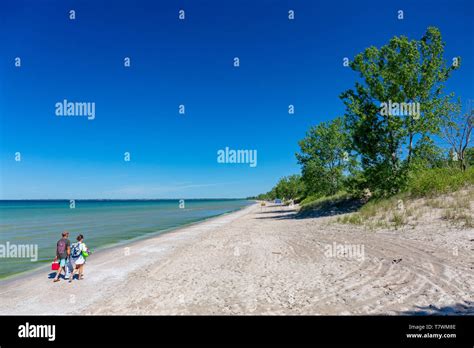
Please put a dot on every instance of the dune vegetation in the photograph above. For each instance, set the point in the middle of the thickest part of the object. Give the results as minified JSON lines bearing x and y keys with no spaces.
{"x":402,"y":139}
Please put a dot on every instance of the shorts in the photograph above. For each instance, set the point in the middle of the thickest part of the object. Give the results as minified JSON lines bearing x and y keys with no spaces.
{"x":79,"y":261}
{"x":62,"y":262}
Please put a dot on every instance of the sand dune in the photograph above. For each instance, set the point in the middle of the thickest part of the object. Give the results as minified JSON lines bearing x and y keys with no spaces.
{"x":265,"y":261}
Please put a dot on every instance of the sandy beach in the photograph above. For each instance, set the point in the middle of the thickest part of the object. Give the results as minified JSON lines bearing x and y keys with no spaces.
{"x":265,"y":261}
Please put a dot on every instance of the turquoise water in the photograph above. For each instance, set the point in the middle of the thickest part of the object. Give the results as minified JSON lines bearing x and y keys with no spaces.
{"x":102,"y":223}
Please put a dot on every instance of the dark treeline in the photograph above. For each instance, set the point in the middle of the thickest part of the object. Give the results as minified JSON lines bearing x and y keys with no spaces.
{"x":386,"y":139}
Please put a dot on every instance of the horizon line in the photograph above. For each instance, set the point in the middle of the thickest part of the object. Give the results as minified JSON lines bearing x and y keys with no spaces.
{"x":120,"y":199}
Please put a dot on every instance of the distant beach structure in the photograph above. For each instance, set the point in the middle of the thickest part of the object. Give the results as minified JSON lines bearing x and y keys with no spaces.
{"x":277,"y":201}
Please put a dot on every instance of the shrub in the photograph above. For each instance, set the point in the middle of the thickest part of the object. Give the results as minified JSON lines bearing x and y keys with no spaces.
{"x":439,"y":180}
{"x":318,"y":202}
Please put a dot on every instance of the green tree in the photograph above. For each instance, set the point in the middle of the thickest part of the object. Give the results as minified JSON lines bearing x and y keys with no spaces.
{"x":457,"y":131}
{"x":427,"y":155}
{"x":289,"y":187}
{"x":401,"y":72}
{"x":324,"y":157}
{"x":470,"y":156}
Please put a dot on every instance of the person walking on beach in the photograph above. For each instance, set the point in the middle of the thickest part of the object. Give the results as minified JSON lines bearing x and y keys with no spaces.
{"x":79,"y":252}
{"x":63,"y":250}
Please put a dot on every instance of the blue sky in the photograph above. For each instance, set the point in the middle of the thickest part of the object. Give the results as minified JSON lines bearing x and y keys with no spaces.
{"x":186,"y":62}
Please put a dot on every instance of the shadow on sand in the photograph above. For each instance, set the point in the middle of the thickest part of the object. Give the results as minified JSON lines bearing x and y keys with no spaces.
{"x":52,"y":275}
{"x":466,"y":308}
{"x":327,"y":208}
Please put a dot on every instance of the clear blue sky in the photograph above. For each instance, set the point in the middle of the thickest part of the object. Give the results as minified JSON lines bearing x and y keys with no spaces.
{"x":186,"y":62}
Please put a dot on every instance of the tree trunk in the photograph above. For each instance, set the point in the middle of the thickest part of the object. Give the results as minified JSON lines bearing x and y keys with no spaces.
{"x":410,"y":147}
{"x":462,"y":160}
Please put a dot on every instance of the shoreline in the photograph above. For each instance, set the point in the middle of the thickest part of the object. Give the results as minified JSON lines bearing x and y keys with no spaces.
{"x":47,"y":264}
{"x":265,"y":261}
{"x":184,"y":233}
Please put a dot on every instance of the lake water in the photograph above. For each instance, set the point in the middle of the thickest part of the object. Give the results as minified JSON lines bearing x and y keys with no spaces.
{"x":102,"y":222}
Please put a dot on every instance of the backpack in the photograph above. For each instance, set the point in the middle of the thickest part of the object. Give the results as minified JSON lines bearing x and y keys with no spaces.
{"x":76,"y":250}
{"x":61,"y":247}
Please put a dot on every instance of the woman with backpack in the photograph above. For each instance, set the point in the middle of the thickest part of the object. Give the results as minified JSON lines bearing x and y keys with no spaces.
{"x":79,"y":253}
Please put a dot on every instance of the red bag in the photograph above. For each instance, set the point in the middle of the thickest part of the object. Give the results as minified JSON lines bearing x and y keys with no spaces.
{"x":55,"y":266}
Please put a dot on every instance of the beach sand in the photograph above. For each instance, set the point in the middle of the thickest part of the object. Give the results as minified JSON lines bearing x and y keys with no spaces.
{"x":265,"y":261}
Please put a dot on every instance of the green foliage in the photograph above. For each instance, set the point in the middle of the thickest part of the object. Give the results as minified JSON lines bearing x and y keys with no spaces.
{"x":470,"y":156}
{"x":398,"y":220}
{"x":457,"y":128}
{"x":289,"y":187}
{"x":401,"y":71}
{"x":325,"y":202}
{"x":371,"y":153}
{"x":353,"y":219}
{"x":439,"y":180}
{"x":324,"y":158}
{"x":310,"y":199}
{"x":427,"y":155}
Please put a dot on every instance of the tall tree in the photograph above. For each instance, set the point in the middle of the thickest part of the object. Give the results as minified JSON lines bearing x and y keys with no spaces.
{"x":324,"y":157}
{"x":403,"y":72}
{"x":289,"y":187}
{"x":457,"y":131}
